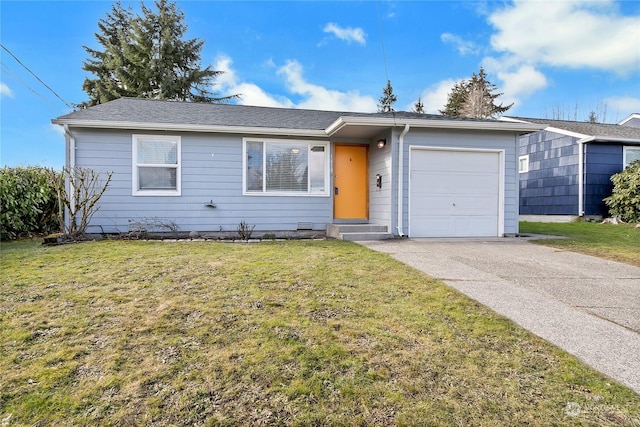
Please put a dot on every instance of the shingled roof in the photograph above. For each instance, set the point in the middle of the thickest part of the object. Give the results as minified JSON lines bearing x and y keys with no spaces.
{"x":139,"y":110}
{"x":597,"y":131}
{"x":139,"y":113}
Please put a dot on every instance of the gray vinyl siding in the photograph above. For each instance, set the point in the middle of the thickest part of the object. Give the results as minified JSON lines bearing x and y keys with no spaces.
{"x":211,"y":170}
{"x":380,"y":198}
{"x":474,"y":140}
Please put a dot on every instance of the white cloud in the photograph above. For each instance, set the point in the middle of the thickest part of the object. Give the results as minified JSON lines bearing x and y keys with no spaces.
{"x":5,"y":90}
{"x":435,"y":96}
{"x":463,"y":47}
{"x":569,"y":33}
{"x":59,"y":130}
{"x":347,"y":34}
{"x":518,"y":80}
{"x":318,"y":97}
{"x":251,"y":94}
{"x":624,"y":105}
{"x":311,"y":96}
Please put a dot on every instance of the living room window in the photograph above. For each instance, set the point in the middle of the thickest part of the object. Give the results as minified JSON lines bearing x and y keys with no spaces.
{"x":285,"y":167}
{"x":156,"y":165}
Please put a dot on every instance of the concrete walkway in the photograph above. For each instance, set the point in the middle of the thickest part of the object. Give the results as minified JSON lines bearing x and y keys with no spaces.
{"x":585,"y":305}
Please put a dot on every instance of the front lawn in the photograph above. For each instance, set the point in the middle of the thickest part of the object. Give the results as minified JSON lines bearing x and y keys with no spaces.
{"x":615,"y":242}
{"x":277,"y":333}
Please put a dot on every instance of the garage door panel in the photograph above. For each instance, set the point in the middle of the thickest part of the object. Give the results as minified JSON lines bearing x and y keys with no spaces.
{"x":471,"y":161}
{"x":433,"y":226}
{"x":484,"y":183}
{"x":467,"y":227}
{"x":473,"y":205}
{"x":454,"y":193}
{"x":434,"y":182}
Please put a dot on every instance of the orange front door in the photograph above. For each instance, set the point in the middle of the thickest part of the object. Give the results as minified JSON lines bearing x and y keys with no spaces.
{"x":350,"y":193}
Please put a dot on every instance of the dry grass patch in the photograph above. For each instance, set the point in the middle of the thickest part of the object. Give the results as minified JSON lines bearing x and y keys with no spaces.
{"x":278,"y":333}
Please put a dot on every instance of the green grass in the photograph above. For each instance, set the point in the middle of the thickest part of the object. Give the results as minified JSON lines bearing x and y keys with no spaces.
{"x":614,"y":242}
{"x":278,"y":333}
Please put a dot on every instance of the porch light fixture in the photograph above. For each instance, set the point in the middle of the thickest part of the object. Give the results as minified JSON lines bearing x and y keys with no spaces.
{"x":382,"y":143}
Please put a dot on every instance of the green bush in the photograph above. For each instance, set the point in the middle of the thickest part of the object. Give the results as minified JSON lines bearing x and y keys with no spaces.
{"x":624,"y":202}
{"x":28,"y":201}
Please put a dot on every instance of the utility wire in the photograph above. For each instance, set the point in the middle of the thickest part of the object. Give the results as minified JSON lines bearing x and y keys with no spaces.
{"x":23,"y":83}
{"x":384,"y":55}
{"x":38,"y":78}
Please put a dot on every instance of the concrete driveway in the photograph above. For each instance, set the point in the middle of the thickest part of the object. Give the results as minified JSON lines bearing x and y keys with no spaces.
{"x":585,"y":305}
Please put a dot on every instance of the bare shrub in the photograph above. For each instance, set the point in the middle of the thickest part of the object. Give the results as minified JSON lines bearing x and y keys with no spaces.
{"x":78,"y":191}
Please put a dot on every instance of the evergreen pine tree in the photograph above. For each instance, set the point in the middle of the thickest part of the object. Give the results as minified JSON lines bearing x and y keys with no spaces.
{"x":418,"y":107}
{"x":147,"y":57}
{"x":456,"y":98}
{"x":387,"y":100}
{"x":474,"y":98}
{"x":109,"y":64}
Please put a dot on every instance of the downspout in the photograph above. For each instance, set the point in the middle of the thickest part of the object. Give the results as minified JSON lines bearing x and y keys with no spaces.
{"x":581,"y":177}
{"x":401,"y":177}
{"x":71,"y":164}
{"x":72,"y":146}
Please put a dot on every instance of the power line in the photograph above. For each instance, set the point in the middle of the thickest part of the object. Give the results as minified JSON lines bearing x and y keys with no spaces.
{"x":384,"y":55}
{"x":38,"y":78}
{"x":23,"y":83}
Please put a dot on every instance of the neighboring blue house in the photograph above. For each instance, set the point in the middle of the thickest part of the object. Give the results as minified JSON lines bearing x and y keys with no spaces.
{"x":633,"y":121}
{"x":207,"y":167}
{"x":565,"y":169}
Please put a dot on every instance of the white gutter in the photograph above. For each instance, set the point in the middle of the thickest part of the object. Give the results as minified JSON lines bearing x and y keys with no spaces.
{"x":191,"y":128}
{"x":401,"y":177}
{"x":438,"y":124}
{"x":597,"y":138}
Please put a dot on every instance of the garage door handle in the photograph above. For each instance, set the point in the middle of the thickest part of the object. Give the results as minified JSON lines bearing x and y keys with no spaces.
{"x":335,"y":190}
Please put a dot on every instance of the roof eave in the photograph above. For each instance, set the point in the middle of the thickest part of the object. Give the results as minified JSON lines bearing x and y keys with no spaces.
{"x":610,"y":139}
{"x":342,"y":121}
{"x":101,"y":124}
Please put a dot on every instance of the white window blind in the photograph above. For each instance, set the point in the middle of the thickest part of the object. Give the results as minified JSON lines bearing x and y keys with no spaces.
{"x":285,"y":167}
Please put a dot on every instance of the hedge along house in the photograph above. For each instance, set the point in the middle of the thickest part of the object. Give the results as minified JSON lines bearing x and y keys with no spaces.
{"x":207,"y":167}
{"x":565,"y":169}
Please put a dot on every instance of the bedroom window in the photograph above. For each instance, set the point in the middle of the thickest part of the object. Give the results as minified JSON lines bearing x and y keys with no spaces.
{"x":280,"y":167}
{"x":523,"y":164}
{"x":630,"y":154}
{"x":156,"y":165}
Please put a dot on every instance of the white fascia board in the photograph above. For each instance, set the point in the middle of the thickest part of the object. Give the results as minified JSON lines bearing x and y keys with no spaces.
{"x":439,"y":124}
{"x":609,"y":139}
{"x":566,"y":132}
{"x":99,"y":124}
{"x":631,"y":117}
{"x":511,"y":120}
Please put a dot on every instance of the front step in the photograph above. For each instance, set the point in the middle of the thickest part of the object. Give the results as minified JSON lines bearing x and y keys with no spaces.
{"x":358,"y":232}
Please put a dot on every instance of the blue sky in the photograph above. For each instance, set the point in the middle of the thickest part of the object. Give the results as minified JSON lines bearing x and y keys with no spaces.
{"x":560,"y":58}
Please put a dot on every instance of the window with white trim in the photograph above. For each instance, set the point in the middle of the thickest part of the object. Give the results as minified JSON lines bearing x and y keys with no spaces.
{"x":156,"y":165}
{"x":523,"y":164}
{"x":630,"y":154}
{"x":285,"y":167}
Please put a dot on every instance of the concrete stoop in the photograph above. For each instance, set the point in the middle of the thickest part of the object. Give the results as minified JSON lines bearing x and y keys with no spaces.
{"x":358,"y":232}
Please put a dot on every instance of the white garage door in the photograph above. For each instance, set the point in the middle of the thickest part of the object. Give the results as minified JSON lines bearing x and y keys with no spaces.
{"x":454,"y":193}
